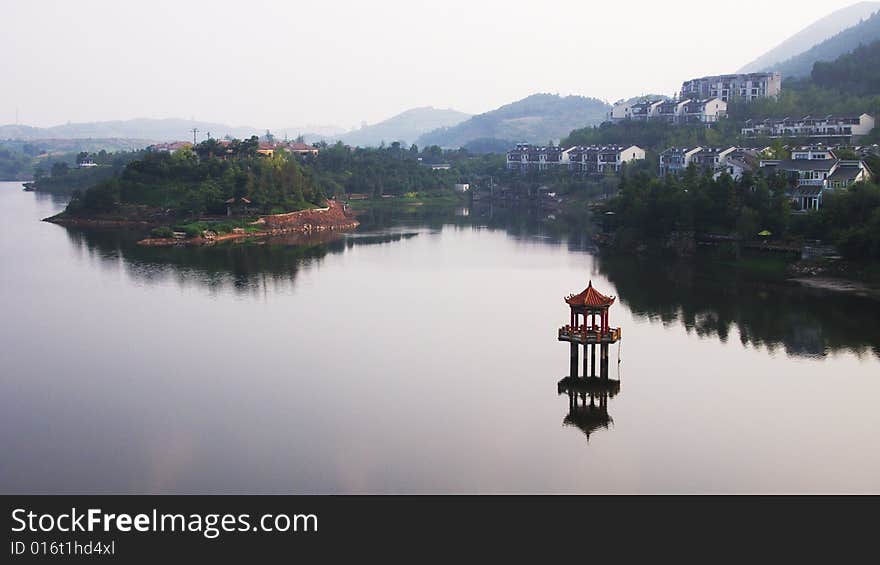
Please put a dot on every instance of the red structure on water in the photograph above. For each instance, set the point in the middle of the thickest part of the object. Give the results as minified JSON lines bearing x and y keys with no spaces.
{"x":589,"y":326}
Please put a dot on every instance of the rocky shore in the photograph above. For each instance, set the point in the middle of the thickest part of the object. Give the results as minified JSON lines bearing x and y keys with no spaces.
{"x":332,"y":218}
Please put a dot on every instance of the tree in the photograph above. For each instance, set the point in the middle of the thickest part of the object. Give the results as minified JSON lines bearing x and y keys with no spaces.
{"x":59,"y":169}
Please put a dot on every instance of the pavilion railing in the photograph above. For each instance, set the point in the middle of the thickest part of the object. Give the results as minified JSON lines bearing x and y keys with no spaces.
{"x":588,"y":333}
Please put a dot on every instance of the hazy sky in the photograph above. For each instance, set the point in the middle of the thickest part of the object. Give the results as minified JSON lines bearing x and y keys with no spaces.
{"x":272,"y":64}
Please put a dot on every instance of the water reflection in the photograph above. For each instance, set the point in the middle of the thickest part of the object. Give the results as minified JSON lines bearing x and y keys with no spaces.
{"x":767,"y":311}
{"x":707,"y":299}
{"x":588,"y":402}
{"x":244,"y":266}
{"x":573,"y":231}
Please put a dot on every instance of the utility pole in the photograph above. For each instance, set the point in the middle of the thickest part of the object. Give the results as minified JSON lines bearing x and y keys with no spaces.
{"x":195,"y":131}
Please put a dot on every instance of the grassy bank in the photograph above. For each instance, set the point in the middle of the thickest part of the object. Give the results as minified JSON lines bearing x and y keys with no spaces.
{"x":432,"y":199}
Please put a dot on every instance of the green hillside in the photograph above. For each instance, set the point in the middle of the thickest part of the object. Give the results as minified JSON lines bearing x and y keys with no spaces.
{"x":815,"y":33}
{"x":844,"y":42}
{"x":536,"y":119}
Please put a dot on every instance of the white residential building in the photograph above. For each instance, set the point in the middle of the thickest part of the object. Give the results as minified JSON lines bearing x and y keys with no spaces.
{"x":587,"y":159}
{"x":676,"y":159}
{"x":750,"y":86}
{"x":829,"y":127}
{"x":706,"y":111}
{"x":526,"y":156}
{"x":719,"y":160}
{"x":598,"y":159}
{"x":687,"y":110}
{"x":814,"y":171}
{"x":620,"y":111}
{"x":671,"y":111}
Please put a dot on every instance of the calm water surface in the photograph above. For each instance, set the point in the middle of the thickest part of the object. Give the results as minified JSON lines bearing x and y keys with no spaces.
{"x":418,"y":357}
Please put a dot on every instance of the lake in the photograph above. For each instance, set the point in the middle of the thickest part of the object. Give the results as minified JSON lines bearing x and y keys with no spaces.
{"x":415,"y":355}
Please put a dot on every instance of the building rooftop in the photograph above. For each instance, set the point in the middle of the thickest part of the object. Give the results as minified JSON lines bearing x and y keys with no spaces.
{"x":845,"y":173}
{"x":806,"y":164}
{"x":589,"y":297}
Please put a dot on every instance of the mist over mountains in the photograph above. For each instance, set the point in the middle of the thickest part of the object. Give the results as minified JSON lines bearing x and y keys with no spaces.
{"x":538,"y":118}
{"x":535,"y":119}
{"x":165,"y":129}
{"x":404,"y":127}
{"x":863,"y":33}
{"x":815,"y":33}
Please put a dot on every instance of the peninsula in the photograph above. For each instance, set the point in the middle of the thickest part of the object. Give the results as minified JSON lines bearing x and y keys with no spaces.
{"x":210,"y":192}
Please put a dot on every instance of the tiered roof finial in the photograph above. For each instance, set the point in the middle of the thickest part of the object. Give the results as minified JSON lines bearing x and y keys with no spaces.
{"x":590,"y":297}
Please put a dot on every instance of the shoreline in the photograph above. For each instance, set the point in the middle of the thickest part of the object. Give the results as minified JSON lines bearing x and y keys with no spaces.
{"x":334,"y":217}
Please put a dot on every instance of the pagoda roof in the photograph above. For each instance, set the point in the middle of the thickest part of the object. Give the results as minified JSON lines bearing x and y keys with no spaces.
{"x":590,"y":297}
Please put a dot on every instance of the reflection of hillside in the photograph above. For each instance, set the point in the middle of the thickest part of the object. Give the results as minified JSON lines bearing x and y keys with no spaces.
{"x":516,"y":220}
{"x":243,"y":265}
{"x":766,"y":312}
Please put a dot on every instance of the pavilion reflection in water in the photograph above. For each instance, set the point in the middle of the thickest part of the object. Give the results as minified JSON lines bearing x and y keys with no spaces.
{"x":588,"y":402}
{"x":588,"y":394}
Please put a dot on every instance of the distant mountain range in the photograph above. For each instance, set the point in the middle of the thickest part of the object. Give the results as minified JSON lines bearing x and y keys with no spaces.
{"x":863,"y":33}
{"x":815,"y":33}
{"x":167,"y":129}
{"x":404,"y":127}
{"x":538,"y":118}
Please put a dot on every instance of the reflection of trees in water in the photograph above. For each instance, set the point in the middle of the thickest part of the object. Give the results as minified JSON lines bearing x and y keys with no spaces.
{"x":54,"y":198}
{"x":245,"y":265}
{"x":712,"y":300}
{"x":518,"y":221}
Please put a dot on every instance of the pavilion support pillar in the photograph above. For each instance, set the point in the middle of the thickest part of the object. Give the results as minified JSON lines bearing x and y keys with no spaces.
{"x":593,"y":361}
{"x":574,"y":360}
{"x":586,"y":361}
{"x":604,"y":368}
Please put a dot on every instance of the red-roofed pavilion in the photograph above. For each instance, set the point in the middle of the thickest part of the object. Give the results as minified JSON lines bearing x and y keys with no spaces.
{"x":593,"y":329}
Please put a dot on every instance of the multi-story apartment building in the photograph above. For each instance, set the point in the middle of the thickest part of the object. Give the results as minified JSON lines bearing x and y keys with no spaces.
{"x":736,"y":162}
{"x":526,"y":156}
{"x":671,"y":111}
{"x":747,"y":87}
{"x":709,"y":158}
{"x":644,"y":111}
{"x":585,"y":159}
{"x":676,"y":159}
{"x":638,"y":111}
{"x":595,"y":159}
{"x":813,"y":171}
{"x":706,"y":111}
{"x":718,"y":160}
{"x":829,"y":127}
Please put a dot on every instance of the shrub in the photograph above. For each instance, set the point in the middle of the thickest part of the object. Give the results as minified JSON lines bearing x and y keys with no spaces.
{"x":162,"y":231}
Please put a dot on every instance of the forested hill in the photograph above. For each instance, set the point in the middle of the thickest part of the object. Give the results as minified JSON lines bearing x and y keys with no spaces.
{"x":849,"y":84}
{"x":200,"y":181}
{"x":194,"y":182}
{"x":815,"y":33}
{"x":536,"y":119}
{"x":857,"y":73}
{"x":844,"y":42}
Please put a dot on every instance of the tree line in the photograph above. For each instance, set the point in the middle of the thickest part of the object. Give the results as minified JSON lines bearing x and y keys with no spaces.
{"x":649,"y":211}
